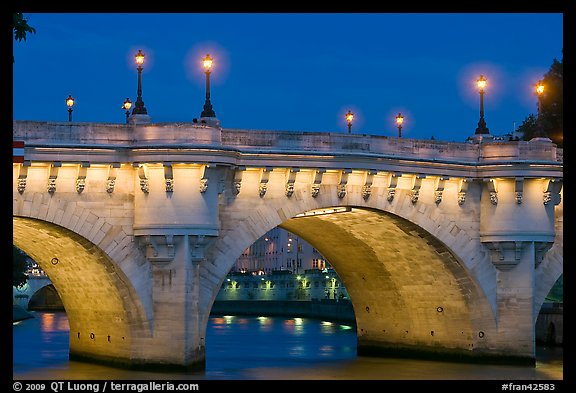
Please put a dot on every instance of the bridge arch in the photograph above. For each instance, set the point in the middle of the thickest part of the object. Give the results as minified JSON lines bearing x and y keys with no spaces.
{"x":23,"y":294}
{"x":106,"y":315}
{"x":408,"y":287}
{"x":551,"y":267}
{"x":45,"y":298}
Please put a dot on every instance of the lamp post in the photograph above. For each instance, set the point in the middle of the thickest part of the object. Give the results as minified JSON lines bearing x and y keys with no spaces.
{"x":69,"y":104}
{"x":399,"y":121}
{"x":481,"y":129}
{"x":539,"y":91}
{"x":349,"y":118}
{"x":139,"y":108}
{"x":126,"y":106}
{"x":208,"y":111}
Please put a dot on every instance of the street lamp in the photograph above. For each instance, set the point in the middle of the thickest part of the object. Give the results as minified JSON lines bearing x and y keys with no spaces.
{"x":539,"y":132}
{"x":539,"y":87}
{"x":349,"y":118}
{"x":126,"y":106}
{"x":139,"y":108}
{"x":399,"y":121}
{"x":208,"y":111}
{"x":69,"y":104}
{"x":482,"y":129}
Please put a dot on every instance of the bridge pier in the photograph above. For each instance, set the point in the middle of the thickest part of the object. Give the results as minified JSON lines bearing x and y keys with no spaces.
{"x":515,"y":333}
{"x":178,"y":335}
{"x":175,"y":221}
{"x":517,"y":227}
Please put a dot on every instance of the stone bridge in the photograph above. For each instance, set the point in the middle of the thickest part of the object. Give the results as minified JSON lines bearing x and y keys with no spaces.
{"x":34,"y":287}
{"x":446,"y":249}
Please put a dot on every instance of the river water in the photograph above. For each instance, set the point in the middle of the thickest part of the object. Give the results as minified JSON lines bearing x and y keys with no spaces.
{"x":261,"y":348}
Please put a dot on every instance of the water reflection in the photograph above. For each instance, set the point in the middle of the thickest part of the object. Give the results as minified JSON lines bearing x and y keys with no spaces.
{"x":327,"y":327}
{"x":53,"y":322}
{"x":293,"y":326}
{"x":261,"y":348}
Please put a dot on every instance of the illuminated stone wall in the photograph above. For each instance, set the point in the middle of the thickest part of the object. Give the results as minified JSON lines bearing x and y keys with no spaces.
{"x":443,"y":247}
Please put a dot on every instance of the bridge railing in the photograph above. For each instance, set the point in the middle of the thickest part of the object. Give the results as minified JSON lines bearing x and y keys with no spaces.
{"x":112,"y":134}
{"x":173,"y":135}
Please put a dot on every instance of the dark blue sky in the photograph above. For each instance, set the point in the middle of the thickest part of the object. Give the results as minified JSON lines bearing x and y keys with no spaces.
{"x":291,"y":71}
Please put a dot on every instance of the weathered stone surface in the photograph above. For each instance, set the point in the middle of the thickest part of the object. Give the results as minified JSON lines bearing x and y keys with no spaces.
{"x":138,"y":271}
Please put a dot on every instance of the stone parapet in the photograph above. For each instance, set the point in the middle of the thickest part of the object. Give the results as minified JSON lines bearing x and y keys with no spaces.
{"x":117,"y":135}
{"x":175,"y":135}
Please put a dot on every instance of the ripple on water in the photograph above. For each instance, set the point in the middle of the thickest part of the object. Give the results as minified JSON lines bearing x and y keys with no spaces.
{"x":262,"y":348}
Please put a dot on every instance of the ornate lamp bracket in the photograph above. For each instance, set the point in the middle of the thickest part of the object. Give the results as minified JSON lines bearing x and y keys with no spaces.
{"x":392,"y":183}
{"x":144,"y":182}
{"x":493,"y":189}
{"x":264,"y":177}
{"x":111,"y":179}
{"x":237,"y":182}
{"x":168,"y":177}
{"x":439,"y":189}
{"x":367,"y":187}
{"x":342,"y":183}
{"x":317,"y":181}
{"x":551,"y":191}
{"x":416,"y":184}
{"x":290,"y":179}
{"x":53,"y":175}
{"x":81,"y":176}
{"x":204,"y":179}
{"x":519,"y":189}
{"x":463,"y":190}
{"x":22,"y":176}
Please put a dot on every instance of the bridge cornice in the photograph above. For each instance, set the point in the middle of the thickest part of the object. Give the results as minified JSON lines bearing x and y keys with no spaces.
{"x":187,"y":143}
{"x":234,"y":158}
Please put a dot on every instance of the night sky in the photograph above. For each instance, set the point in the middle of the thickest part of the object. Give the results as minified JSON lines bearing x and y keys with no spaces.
{"x":291,"y":71}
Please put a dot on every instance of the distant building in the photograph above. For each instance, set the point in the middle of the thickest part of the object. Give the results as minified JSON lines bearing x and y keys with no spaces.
{"x":280,"y":250}
{"x":511,"y":136}
{"x":506,"y":137}
{"x":283,"y":285}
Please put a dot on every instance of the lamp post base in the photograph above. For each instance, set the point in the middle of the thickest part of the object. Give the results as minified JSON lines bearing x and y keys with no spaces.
{"x":139,"y":119}
{"x":479,"y":138}
{"x":209,"y":121}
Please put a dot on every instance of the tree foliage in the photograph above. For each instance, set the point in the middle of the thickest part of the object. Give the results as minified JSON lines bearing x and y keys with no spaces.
{"x":528,"y":127}
{"x":552,"y":109}
{"x":19,"y":267}
{"x":553,"y":104}
{"x":21,"y":27}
